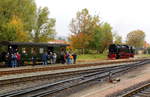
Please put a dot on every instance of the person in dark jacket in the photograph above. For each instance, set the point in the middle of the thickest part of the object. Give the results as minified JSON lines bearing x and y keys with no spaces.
{"x":74,"y":57}
{"x":45,"y":58}
{"x":68,"y":60}
{"x":13,"y":60}
{"x":34,"y":59}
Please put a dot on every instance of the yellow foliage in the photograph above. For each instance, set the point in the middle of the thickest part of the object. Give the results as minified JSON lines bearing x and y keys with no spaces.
{"x":17,"y":24}
{"x":80,"y":40}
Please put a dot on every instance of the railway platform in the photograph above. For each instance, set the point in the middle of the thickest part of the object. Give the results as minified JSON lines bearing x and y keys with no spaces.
{"x":29,"y":71}
{"x":44,"y":72}
{"x":14,"y":77}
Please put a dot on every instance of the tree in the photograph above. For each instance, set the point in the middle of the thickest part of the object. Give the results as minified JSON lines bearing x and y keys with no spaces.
{"x":117,"y":39}
{"x":89,"y":33}
{"x":80,"y":41}
{"x":24,"y":11}
{"x":97,"y":39}
{"x":83,"y":28}
{"x":17,"y":26}
{"x":107,"y":38}
{"x":136,"y":38}
{"x":44,"y":26}
{"x":20,"y":21}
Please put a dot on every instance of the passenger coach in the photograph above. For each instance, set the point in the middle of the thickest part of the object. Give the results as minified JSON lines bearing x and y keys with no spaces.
{"x":28,"y":49}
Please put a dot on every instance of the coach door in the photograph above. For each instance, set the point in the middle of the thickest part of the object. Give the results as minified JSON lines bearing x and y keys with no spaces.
{"x":12,"y":49}
{"x":50,"y":49}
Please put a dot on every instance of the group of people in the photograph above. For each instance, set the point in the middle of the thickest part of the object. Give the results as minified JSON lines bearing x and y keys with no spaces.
{"x":52,"y":57}
{"x":68,"y":58}
{"x":13,"y":60}
{"x":16,"y":59}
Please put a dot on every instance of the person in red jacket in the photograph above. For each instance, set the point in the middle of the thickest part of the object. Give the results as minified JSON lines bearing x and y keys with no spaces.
{"x":18,"y":59}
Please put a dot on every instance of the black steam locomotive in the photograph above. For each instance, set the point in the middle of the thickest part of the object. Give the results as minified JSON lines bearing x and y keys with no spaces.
{"x":117,"y":51}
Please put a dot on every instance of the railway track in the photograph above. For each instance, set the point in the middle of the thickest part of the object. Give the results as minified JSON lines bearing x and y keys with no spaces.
{"x":59,"y":75}
{"x":47,"y":68}
{"x":142,"y":91}
{"x":56,"y":87}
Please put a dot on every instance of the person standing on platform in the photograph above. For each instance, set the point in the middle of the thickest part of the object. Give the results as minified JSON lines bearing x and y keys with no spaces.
{"x":33,"y":59}
{"x":62,"y":57}
{"x":18,"y":59}
{"x":71,"y":59}
{"x":65,"y":58}
{"x":8,"y":59}
{"x":74,"y":57}
{"x":68,"y":58}
{"x":13,"y":60}
{"x":54,"y":58}
{"x":51,"y":57}
{"x":45,"y":58}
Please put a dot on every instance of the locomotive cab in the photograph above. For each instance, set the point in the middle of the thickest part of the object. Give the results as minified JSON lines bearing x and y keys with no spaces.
{"x":113,"y":51}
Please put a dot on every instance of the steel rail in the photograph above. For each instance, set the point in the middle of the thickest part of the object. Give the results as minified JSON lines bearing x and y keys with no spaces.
{"x":55,"y":75}
{"x":139,"y":92}
{"x":85,"y":80}
{"x":64,"y":84}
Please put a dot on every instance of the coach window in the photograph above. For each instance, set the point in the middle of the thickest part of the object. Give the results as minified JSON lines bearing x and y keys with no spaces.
{"x":32,"y":50}
{"x":41,"y":50}
{"x":23,"y":50}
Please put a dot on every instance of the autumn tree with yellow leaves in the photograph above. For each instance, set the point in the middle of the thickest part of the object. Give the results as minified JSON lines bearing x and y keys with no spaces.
{"x":88,"y":33}
{"x":136,"y":38}
{"x":17,"y":26}
{"x":21,"y":21}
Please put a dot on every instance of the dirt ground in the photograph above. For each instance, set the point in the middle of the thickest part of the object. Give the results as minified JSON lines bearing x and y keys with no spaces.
{"x":131,"y":78}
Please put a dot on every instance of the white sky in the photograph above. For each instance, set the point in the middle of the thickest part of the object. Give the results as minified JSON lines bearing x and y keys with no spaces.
{"x":123,"y":15}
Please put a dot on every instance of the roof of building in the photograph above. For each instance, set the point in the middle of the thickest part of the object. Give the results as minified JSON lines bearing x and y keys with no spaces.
{"x":59,"y":42}
{"x":33,"y":44}
{"x":146,"y":45}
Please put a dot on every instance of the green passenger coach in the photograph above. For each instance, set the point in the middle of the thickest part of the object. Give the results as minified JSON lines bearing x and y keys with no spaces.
{"x":29,"y":49}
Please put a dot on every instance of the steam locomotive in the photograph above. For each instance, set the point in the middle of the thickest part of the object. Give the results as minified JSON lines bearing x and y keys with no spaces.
{"x":117,"y":51}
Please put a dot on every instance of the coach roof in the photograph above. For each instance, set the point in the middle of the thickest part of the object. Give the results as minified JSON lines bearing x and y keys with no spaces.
{"x":34,"y":44}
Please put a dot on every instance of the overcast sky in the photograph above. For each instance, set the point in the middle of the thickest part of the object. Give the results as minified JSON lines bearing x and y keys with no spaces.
{"x":123,"y":15}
